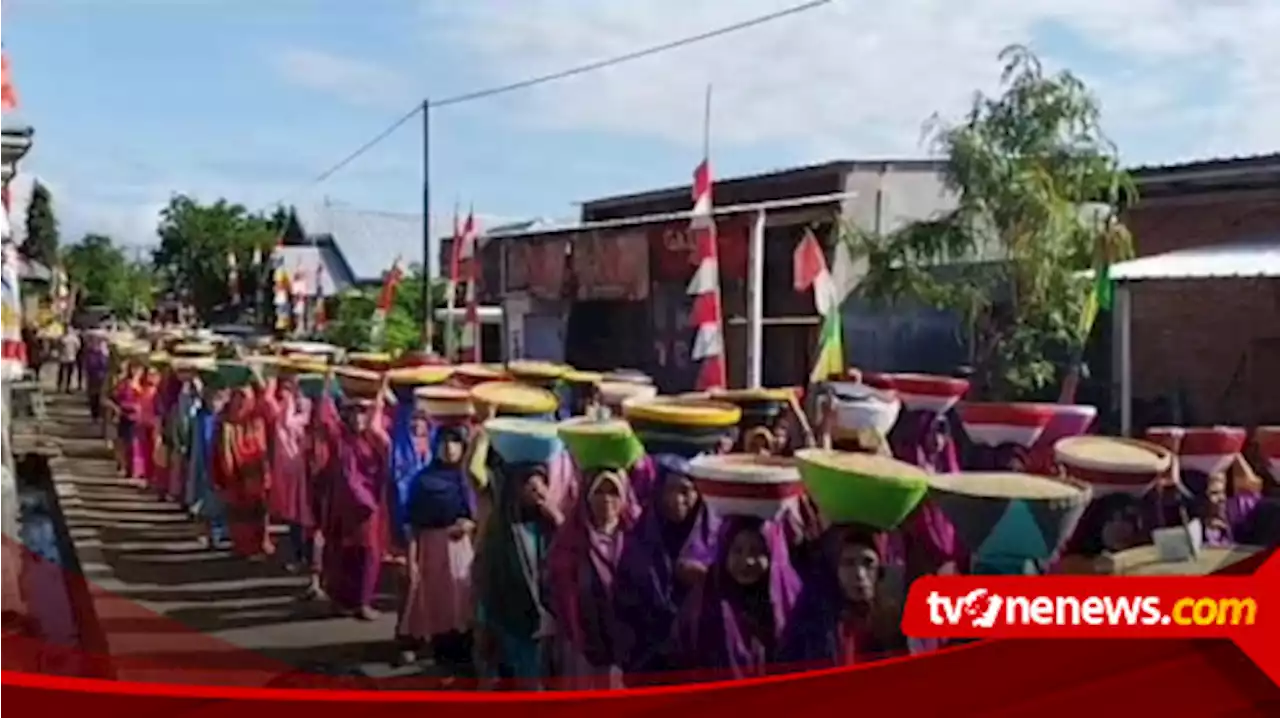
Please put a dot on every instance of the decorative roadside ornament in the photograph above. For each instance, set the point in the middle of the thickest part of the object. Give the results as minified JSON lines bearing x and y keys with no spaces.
{"x":13,"y":351}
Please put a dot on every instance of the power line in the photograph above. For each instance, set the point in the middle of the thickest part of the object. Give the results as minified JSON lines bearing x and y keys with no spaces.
{"x":563,"y":74}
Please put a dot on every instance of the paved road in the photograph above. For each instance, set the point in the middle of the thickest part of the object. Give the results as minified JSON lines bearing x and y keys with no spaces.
{"x":167,"y":604}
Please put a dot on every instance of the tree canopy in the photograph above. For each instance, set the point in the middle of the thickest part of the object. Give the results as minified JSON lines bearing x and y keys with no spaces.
{"x":1038,"y":188}
{"x":104,"y":275}
{"x":354,"y":317}
{"x":41,"y":243}
{"x":195,"y":241}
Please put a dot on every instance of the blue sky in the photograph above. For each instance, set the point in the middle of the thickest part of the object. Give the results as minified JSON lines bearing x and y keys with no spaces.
{"x":135,"y":99}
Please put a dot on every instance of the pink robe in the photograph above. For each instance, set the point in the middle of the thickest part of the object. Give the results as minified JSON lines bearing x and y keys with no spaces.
{"x":290,"y":497}
{"x":145,"y":439}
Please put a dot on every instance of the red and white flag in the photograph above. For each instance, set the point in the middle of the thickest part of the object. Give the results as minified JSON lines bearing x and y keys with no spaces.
{"x":386,"y":298}
{"x":8,"y":95}
{"x":468,"y":262}
{"x":708,"y":343}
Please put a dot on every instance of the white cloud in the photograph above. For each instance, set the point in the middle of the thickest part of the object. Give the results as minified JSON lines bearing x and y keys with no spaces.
{"x":858,"y":77}
{"x":358,"y":81}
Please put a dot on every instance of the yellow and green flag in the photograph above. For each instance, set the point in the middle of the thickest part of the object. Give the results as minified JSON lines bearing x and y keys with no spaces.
{"x":810,"y":270}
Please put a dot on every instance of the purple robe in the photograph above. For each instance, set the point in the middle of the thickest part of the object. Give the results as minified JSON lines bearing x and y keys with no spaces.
{"x":737,"y":630}
{"x":648,"y":593}
{"x":358,"y":521}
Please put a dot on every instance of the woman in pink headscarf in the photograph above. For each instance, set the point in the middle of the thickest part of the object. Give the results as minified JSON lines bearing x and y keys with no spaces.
{"x":289,"y":500}
{"x":581,"y":565}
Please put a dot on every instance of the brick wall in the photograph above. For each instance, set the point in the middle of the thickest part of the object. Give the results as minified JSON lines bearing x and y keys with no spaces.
{"x":1212,"y":338}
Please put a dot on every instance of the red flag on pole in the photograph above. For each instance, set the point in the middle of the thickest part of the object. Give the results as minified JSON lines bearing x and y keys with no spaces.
{"x":8,"y":95}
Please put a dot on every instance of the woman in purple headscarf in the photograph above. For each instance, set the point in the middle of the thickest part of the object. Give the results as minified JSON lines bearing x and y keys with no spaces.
{"x":356,"y":532}
{"x":652,"y":582}
{"x":733,"y":622}
{"x":582,"y":565}
{"x":842,"y":618}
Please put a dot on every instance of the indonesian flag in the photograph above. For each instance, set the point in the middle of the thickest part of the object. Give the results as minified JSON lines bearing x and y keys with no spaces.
{"x":469,"y":272}
{"x":708,"y":343}
{"x":233,"y":278}
{"x":8,"y":95}
{"x":386,"y":297}
{"x":811,"y":271}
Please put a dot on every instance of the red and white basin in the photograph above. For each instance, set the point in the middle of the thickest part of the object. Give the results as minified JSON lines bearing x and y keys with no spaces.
{"x":1210,"y":449}
{"x":1000,"y":423}
{"x":747,"y":484}
{"x":926,"y":392}
{"x":1268,"y":438}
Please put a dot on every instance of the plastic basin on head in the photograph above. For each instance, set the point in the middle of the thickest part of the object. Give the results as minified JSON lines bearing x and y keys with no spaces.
{"x":861,"y":488}
{"x":1210,"y":449}
{"x":926,"y":392}
{"x":999,"y":423}
{"x":747,"y":484}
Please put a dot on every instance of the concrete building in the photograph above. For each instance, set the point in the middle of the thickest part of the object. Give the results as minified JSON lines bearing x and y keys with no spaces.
{"x":609,"y":290}
{"x":1208,"y":339}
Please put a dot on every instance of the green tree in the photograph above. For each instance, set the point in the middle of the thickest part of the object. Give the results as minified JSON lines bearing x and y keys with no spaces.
{"x":351,"y":326}
{"x":1039,"y":188}
{"x":41,"y":243}
{"x":195,"y":241}
{"x":104,"y":275}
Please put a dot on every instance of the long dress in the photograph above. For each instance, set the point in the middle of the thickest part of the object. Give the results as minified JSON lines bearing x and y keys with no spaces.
{"x":204,"y":498}
{"x":439,"y":599}
{"x":358,"y":522}
{"x":735,"y":631}
{"x":582,"y":565}
{"x":406,"y":461}
{"x":648,"y":592}
{"x":508,"y":575}
{"x":127,"y":397}
{"x":178,"y":441}
{"x":288,"y":500}
{"x":242,"y":474}
{"x":146,"y":436}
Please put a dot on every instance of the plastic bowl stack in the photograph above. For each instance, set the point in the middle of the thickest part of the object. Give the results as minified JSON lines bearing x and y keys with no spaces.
{"x":863,"y":489}
{"x":765,"y":487}
{"x":1113,"y":465}
{"x":926,"y":392}
{"x":685,"y":427}
{"x":505,"y":398}
{"x":596,"y":445}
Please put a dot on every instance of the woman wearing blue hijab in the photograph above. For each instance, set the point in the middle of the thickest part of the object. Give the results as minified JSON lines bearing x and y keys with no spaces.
{"x":410,"y":454}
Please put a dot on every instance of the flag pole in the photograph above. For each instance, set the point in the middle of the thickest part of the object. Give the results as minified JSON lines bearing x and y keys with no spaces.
{"x":451,"y":284}
{"x":428,"y":321}
{"x":706,"y":125}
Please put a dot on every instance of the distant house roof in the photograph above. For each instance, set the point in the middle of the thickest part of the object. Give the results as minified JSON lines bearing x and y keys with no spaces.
{"x":1213,"y":175}
{"x":365,"y":241}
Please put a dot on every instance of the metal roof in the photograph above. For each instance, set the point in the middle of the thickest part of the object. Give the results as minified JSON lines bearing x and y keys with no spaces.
{"x":1242,"y":259}
{"x":369,"y":240}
